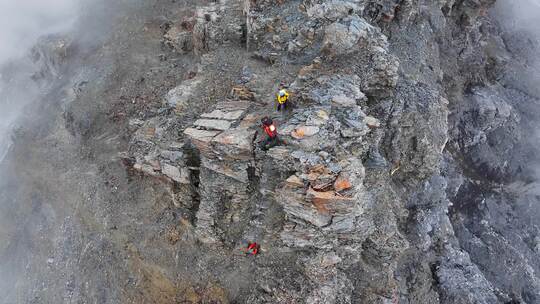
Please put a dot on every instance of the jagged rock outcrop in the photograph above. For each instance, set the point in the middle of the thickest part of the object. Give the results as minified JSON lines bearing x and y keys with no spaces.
{"x":153,"y":154}
{"x":307,"y":34}
{"x":225,"y":148}
{"x":207,"y":29}
{"x":365,"y":180}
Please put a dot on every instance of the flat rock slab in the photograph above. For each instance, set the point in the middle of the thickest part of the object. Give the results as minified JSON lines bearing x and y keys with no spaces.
{"x":249,"y":121}
{"x":241,"y":139}
{"x":213,"y":124}
{"x":174,"y":173}
{"x":236,"y":144}
{"x":201,"y":135}
{"x":219,"y":114}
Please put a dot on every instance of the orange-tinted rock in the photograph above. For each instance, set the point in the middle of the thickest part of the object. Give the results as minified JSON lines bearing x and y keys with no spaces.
{"x":324,"y":201}
{"x":342,"y":183}
{"x":304,"y":131}
{"x":149,"y":132}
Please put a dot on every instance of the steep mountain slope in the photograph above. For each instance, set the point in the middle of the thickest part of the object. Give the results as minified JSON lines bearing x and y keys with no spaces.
{"x":403,"y":176}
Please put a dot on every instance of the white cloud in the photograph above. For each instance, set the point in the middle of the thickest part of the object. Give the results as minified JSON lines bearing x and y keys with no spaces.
{"x":22,"y":22}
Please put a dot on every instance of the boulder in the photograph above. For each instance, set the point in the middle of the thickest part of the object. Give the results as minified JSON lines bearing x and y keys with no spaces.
{"x":286,"y":130}
{"x":242,"y":93}
{"x":344,"y":37}
{"x":340,"y":89}
{"x":179,"y":37}
{"x":201,"y":138}
{"x":180,"y":96}
{"x":176,"y":146}
{"x":317,"y":118}
{"x":146,"y":169}
{"x":382,"y":75}
{"x":172,"y":156}
{"x":236,"y":171}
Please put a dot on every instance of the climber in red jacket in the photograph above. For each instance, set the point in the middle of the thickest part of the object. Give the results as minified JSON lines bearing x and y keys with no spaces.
{"x":250,"y":248}
{"x":270,"y":130}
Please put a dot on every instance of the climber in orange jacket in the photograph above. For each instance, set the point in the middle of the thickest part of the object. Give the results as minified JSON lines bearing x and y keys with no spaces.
{"x":270,"y":130}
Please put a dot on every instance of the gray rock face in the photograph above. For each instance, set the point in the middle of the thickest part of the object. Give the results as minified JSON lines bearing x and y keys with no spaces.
{"x":462,"y":281}
{"x":333,"y":10}
{"x":341,"y":38}
{"x":369,"y":190}
{"x":487,"y":132}
{"x":343,"y":88}
{"x":212,"y":30}
{"x":422,"y":129}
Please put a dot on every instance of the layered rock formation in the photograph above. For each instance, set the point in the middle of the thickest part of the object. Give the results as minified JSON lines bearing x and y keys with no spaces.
{"x":224,"y":145}
{"x":358,"y":190}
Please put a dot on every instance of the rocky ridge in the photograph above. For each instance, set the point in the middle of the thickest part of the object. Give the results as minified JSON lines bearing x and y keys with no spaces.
{"x":399,"y":179}
{"x":336,"y":182}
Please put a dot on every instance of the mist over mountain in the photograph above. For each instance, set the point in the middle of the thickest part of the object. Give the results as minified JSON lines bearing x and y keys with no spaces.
{"x":22,"y":23}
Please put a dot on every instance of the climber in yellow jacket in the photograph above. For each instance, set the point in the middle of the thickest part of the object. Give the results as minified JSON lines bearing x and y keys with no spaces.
{"x":282,"y":99}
